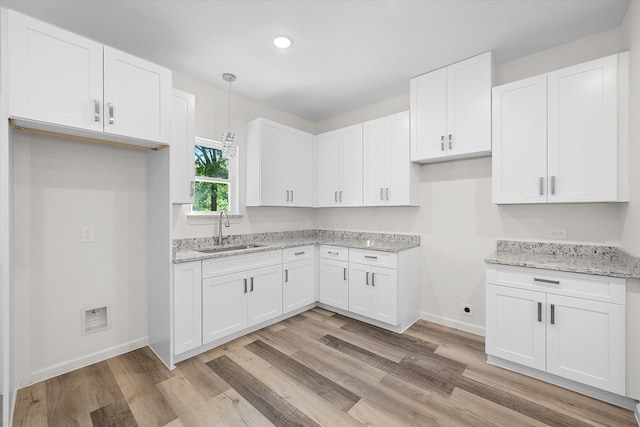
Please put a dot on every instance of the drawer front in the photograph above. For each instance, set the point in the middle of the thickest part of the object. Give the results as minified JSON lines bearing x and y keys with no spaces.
{"x":298,"y":253}
{"x":597,"y":288}
{"x":381,"y":259}
{"x":231,"y":264}
{"x":334,"y":252}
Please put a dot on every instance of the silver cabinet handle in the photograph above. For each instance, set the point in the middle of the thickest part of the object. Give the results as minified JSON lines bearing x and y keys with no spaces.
{"x":292,"y":195}
{"x":333,"y":253}
{"x":553,"y":314}
{"x":340,"y":196}
{"x":112,"y":120}
{"x":193,"y":188}
{"x":96,"y":110}
{"x":381,"y":195}
{"x":251,"y":280}
{"x":287,"y":195}
{"x":540,"y":312}
{"x":245,"y":286}
{"x":299,"y":253}
{"x":541,"y":185}
{"x":344,"y":273}
{"x":286,"y":276}
{"x":371,"y":257}
{"x":367,"y":279}
{"x":335,"y":196}
{"x":387,"y":193}
{"x":553,"y":282}
{"x":442,"y":142}
{"x":450,"y":143}
{"x":373,"y":279}
{"x":553,"y":184}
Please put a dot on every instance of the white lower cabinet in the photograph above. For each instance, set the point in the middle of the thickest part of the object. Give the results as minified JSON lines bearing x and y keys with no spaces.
{"x":187,"y":320}
{"x":224,"y":305}
{"x":334,"y":277}
{"x":298,"y":282}
{"x":566,"y":324}
{"x":373,"y":292}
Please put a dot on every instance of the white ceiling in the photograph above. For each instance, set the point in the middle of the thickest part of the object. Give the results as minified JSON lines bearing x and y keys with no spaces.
{"x":346,"y":54}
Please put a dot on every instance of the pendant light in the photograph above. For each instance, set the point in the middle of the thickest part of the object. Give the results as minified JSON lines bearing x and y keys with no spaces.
{"x":229,"y":146}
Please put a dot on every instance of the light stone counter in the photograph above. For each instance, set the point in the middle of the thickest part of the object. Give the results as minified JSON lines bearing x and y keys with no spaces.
{"x":610,"y":261}
{"x":185,"y":250}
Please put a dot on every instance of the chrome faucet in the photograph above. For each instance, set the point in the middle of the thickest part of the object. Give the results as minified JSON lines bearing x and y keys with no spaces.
{"x":226,"y":224}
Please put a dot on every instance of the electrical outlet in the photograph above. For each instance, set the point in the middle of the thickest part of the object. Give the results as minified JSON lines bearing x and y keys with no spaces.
{"x":87,"y":234}
{"x":558,"y":233}
{"x":467,"y":309}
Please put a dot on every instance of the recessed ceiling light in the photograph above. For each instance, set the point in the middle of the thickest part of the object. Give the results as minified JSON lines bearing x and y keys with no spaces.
{"x":282,"y":42}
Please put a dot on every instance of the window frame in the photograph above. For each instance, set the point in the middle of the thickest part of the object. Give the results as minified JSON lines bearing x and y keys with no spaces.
{"x":231,"y":181}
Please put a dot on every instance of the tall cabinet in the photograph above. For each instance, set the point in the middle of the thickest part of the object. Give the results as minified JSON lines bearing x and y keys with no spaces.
{"x":279,"y":165}
{"x":556,"y":136}
{"x":451,"y":111}
{"x":182,"y":147}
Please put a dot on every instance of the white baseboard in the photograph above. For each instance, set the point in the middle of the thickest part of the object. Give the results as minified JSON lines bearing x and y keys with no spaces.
{"x":89,"y":359}
{"x":452,"y":323}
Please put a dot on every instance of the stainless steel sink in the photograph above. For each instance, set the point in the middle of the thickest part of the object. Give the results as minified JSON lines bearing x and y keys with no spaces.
{"x":228,"y":249}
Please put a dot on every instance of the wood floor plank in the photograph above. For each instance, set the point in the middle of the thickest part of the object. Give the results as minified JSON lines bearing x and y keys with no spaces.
{"x":186,"y":401}
{"x":371,"y":415}
{"x":208,"y":383}
{"x":31,"y":406}
{"x":322,"y":386}
{"x":115,"y":414}
{"x":231,"y":409}
{"x":265,"y":400}
{"x":69,"y":400}
{"x":221,"y":350}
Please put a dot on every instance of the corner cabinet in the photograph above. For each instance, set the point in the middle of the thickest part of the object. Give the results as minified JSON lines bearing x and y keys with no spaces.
{"x":451,"y":111}
{"x":58,"y":78}
{"x":567,"y":324}
{"x":339,"y":167}
{"x":390,"y":179}
{"x":182,"y":147}
{"x":556,"y":136}
{"x":279,"y":168}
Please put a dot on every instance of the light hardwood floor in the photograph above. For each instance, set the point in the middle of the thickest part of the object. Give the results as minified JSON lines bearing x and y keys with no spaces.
{"x":315,"y":369}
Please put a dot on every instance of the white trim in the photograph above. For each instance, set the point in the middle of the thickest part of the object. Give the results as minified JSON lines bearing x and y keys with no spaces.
{"x":636,"y":411}
{"x":83,"y":361}
{"x":452,"y":323}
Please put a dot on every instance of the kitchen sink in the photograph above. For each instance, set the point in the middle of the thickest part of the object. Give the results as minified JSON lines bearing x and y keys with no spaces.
{"x":228,"y":249}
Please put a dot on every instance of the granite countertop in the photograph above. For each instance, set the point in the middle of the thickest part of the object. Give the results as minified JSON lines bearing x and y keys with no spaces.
{"x":186,"y":250}
{"x":610,"y":261}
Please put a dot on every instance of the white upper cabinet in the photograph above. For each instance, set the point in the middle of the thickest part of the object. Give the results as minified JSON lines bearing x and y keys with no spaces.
{"x":390,"y":179}
{"x":279,"y":165}
{"x":556,"y":136}
{"x":182,"y":147}
{"x":61,"y":79}
{"x":451,"y":111}
{"x":339,"y":167}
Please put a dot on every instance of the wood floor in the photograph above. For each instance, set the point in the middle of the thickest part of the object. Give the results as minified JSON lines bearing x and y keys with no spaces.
{"x":314,"y":369}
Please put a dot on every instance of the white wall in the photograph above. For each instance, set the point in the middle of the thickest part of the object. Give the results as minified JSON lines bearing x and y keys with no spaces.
{"x":59,"y":187}
{"x":211,"y":122}
{"x":458,"y":223}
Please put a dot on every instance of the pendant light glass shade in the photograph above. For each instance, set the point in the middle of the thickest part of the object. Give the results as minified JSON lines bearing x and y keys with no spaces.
{"x":229,"y":145}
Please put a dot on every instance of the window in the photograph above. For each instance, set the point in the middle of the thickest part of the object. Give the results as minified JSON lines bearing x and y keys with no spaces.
{"x":216,"y":187}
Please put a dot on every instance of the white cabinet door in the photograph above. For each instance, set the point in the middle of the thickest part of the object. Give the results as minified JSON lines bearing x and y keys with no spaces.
{"x":329,"y":168}
{"x":376,"y":162}
{"x":516,"y":325}
{"x":187,"y":304}
{"x":586,"y":342}
{"x":274,"y":164}
{"x":298,"y":287}
{"x":224,"y":305}
{"x":54,"y":76}
{"x":351,"y":167}
{"x":402,"y":176}
{"x":334,"y":283}
{"x":469,"y":106}
{"x":137,"y":97}
{"x":583,"y":132}
{"x":299,"y":150}
{"x":428,"y":99}
{"x":384,"y":295}
{"x":519,"y":161}
{"x":359,"y":289}
{"x":265,"y":294}
{"x":182,"y":147}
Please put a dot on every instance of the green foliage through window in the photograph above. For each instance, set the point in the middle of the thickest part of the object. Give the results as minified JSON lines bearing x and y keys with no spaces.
{"x":212,"y":180}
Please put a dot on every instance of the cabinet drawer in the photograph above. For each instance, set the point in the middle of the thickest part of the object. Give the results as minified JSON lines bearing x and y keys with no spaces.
{"x":297,"y":254}
{"x":381,"y":259}
{"x":334,"y":252}
{"x":598,"y":288}
{"x":230,"y":264}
